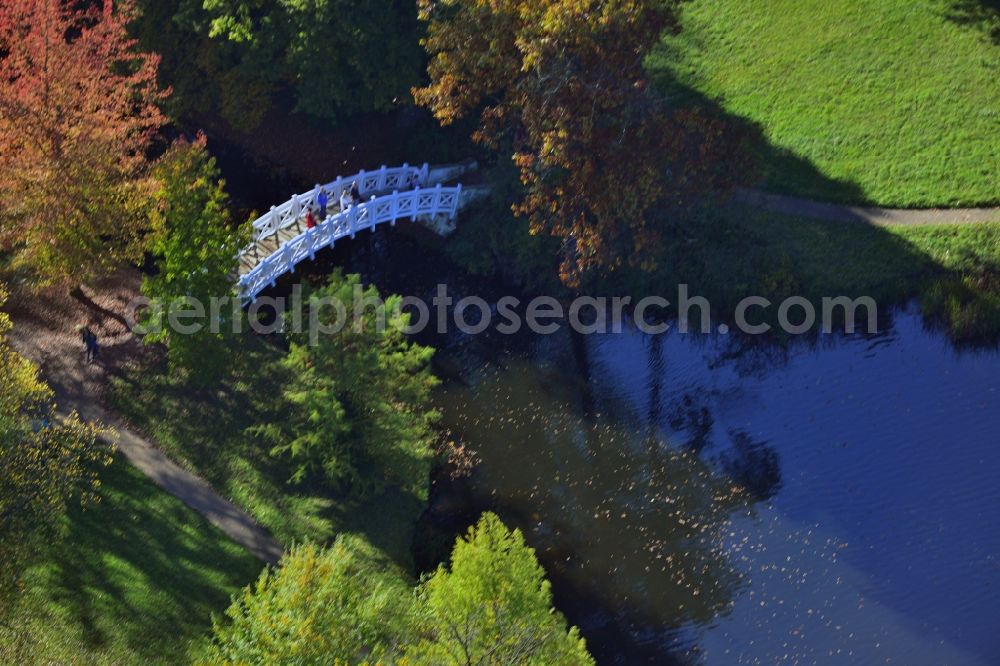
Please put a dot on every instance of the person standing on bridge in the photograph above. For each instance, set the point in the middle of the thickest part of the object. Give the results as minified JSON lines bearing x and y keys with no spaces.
{"x":355,"y":192}
{"x":321,"y":201}
{"x":310,"y":220}
{"x":345,"y":200}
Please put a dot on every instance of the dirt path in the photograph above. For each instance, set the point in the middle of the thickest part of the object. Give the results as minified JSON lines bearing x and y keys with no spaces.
{"x":43,"y":331}
{"x":789,"y":205}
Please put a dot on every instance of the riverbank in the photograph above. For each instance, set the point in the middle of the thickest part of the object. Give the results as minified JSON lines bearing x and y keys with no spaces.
{"x":954,"y":270}
{"x":729,"y":251}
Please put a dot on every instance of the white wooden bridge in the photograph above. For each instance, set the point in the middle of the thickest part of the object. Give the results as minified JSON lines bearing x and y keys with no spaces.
{"x":281,"y":238}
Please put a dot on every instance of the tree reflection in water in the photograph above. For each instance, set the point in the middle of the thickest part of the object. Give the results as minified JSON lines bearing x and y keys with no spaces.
{"x":622,"y":520}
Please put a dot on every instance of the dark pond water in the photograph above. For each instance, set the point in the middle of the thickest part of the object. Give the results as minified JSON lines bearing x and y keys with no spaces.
{"x":695,"y":501}
{"x":699,"y":500}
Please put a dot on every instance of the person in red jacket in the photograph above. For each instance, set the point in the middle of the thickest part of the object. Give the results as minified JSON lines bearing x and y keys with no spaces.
{"x":310,"y":220}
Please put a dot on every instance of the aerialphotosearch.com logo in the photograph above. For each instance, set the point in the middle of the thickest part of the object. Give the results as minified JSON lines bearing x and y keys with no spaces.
{"x":317,"y":316}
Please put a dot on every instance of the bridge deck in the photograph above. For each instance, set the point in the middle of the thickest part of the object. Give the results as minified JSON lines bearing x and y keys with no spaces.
{"x":281,"y":238}
{"x":265,"y":246}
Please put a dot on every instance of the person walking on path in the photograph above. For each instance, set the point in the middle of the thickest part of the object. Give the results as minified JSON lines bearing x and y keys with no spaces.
{"x":91,"y":348}
{"x":95,"y":347}
{"x":321,"y":201}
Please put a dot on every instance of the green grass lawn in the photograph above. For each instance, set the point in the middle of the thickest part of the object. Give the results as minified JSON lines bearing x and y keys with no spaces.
{"x":135,"y":581}
{"x":206,"y":432}
{"x":892,"y":102}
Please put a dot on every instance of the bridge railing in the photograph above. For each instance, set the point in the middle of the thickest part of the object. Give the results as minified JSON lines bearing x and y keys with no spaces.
{"x":369,"y":182}
{"x":412,"y":204}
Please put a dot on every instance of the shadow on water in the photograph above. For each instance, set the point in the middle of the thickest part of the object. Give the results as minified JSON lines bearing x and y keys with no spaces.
{"x":629,"y":530}
{"x":628,"y":505}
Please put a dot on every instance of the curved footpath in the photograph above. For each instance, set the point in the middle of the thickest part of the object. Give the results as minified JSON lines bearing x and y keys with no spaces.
{"x":43,"y":332}
{"x":182,"y":484}
{"x":821,"y":210}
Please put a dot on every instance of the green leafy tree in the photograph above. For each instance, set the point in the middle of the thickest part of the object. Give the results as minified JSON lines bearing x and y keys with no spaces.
{"x":343,"y":604}
{"x":356,"y":401}
{"x":196,"y":249}
{"x":340,"y":56}
{"x":45,"y":465}
{"x":493,"y":607}
{"x":348,"y":605}
{"x":207,"y":76}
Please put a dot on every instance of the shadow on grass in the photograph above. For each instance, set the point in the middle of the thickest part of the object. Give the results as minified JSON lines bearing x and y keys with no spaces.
{"x":728,"y":252}
{"x":770,"y":160}
{"x":983,"y":15}
{"x":728,"y":248}
{"x":139,"y":573}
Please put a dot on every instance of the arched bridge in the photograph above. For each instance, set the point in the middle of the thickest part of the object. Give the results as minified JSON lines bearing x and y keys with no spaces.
{"x":281,"y":238}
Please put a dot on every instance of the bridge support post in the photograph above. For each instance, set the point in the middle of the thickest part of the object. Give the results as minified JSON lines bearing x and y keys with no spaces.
{"x":274,"y":222}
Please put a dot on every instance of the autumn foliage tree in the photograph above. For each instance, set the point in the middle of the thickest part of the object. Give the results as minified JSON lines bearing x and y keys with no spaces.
{"x":77,"y":114}
{"x":561,"y":84}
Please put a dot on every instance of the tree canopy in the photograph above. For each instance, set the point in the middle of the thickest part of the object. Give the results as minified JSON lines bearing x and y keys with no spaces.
{"x":77,"y":114}
{"x":341,"y":604}
{"x":356,"y":404}
{"x":560,"y":85}
{"x":339,"y":56}
{"x":196,"y":252}
{"x":347,"y":605}
{"x":493,"y":606}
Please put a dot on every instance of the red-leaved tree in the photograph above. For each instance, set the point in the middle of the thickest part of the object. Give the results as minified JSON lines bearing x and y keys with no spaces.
{"x":77,"y":115}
